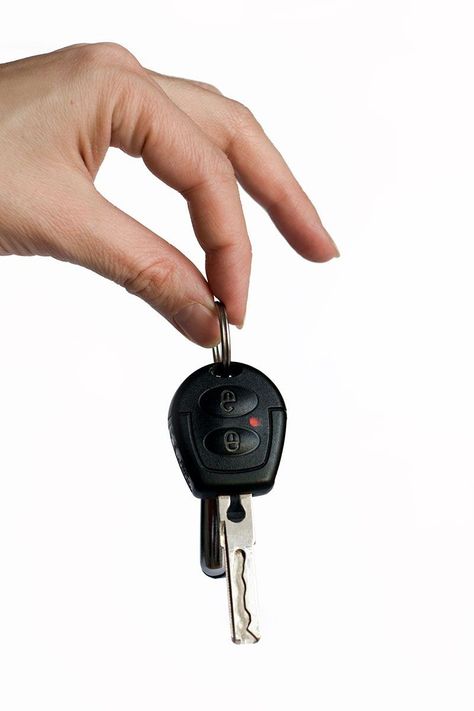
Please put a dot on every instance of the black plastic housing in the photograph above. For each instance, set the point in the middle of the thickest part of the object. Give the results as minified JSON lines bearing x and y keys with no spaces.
{"x":228,"y":429}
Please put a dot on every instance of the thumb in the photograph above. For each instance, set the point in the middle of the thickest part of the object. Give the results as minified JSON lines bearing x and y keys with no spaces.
{"x":113,"y":244}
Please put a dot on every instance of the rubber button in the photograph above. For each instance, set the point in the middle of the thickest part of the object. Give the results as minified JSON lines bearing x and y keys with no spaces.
{"x":226,"y":401}
{"x":231,"y":441}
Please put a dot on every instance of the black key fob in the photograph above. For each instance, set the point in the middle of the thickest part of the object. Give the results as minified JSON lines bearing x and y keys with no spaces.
{"x":227,"y":426}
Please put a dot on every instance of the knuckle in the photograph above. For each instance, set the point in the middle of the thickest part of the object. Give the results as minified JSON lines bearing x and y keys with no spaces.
{"x":104,"y":55}
{"x":282,"y":194}
{"x":214,"y":164}
{"x":242,"y":118}
{"x":155,"y":282}
{"x":213,"y":170}
{"x":207,"y":86}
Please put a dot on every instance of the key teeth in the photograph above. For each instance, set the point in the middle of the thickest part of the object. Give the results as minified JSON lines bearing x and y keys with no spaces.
{"x":249,"y":614}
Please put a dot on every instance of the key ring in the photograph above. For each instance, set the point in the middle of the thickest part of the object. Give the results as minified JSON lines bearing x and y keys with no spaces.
{"x":221,"y":352}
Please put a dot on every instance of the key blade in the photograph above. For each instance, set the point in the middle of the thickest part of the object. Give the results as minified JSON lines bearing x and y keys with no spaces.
{"x":237,"y":541}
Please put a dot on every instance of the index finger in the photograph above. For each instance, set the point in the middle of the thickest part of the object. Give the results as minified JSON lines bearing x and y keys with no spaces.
{"x":177,"y":151}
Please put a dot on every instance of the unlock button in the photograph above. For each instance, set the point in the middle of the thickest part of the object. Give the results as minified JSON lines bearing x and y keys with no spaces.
{"x":228,"y":401}
{"x":235,"y":440}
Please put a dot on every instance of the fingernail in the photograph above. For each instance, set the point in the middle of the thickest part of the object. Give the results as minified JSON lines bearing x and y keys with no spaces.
{"x":199,"y":324}
{"x":336,"y":250}
{"x":241,"y":323}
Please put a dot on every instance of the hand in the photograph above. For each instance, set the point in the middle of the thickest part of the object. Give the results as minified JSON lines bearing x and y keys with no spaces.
{"x":59,"y":114}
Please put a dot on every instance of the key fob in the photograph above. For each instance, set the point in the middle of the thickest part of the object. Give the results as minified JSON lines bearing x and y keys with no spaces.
{"x":227,"y":427}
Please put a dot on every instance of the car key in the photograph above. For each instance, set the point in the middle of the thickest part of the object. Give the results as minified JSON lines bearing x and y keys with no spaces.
{"x":227,"y":424}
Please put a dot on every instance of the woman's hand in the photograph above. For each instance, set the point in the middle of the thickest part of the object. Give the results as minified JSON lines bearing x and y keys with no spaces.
{"x":60,"y":112}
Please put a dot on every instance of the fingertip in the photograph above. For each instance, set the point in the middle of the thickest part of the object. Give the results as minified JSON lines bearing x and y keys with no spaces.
{"x":318,"y":245}
{"x":229,"y":282}
{"x":335,"y":249}
{"x":327,"y":251}
{"x":198,"y":323}
{"x":236,"y":315}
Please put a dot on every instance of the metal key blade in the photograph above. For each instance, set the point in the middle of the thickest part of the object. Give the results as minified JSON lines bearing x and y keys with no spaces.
{"x":237,"y":541}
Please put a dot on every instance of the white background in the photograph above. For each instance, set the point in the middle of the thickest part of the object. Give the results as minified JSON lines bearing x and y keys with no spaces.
{"x":365,"y":546}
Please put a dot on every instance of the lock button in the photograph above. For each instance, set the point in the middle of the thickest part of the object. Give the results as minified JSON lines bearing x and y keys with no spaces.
{"x":231,"y":441}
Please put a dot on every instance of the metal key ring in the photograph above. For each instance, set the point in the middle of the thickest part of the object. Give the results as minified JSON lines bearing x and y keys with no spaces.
{"x":221,"y":352}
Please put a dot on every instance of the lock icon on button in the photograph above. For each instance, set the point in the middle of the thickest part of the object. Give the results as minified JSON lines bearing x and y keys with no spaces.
{"x":232,"y":441}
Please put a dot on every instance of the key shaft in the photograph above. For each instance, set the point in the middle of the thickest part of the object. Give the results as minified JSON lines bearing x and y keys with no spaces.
{"x":237,"y":541}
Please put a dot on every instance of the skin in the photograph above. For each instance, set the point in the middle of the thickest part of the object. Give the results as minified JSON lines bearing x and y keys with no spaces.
{"x":59,"y":114}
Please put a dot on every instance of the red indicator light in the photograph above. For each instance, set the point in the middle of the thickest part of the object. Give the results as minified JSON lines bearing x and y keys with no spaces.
{"x":255,"y":421}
